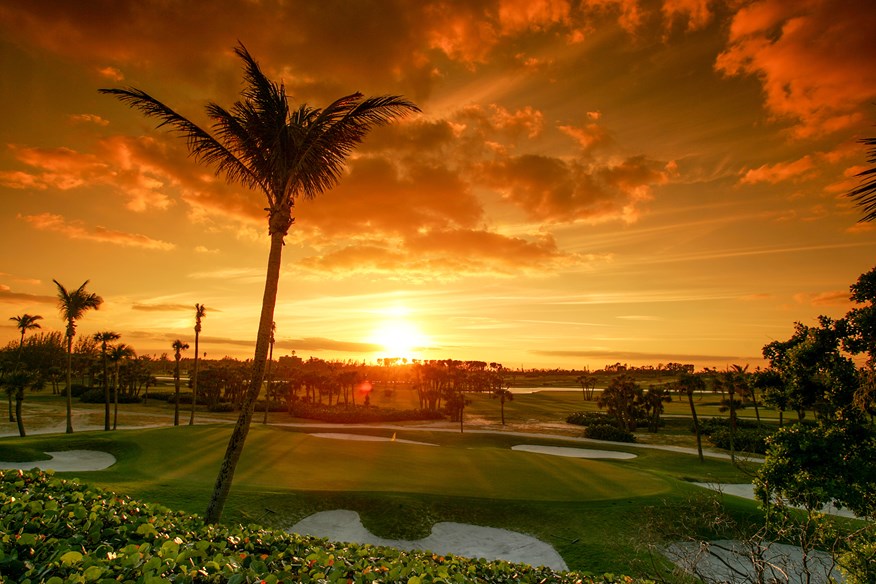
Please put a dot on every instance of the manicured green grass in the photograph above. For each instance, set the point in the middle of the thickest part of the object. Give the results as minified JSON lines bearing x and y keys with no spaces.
{"x":590,"y":510}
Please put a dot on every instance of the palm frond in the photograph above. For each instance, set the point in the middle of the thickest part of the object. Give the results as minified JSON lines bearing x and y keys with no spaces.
{"x":201,"y":144}
{"x":865,"y":195}
{"x":330,"y":137}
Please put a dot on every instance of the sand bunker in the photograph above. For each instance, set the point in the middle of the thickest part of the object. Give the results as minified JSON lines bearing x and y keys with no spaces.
{"x":459,"y":539}
{"x":367,"y":438}
{"x":573,"y":452}
{"x":730,"y":562}
{"x":746,"y":491}
{"x":68,"y":460}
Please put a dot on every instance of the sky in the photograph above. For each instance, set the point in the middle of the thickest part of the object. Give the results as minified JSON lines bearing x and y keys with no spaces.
{"x":589,"y":182}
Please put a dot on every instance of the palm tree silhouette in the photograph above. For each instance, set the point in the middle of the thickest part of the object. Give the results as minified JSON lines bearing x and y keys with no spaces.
{"x":865,"y":195}
{"x":118,"y":354}
{"x":178,"y":348}
{"x":24,"y":323}
{"x":103,"y":338}
{"x":200,"y":313}
{"x":264,"y":144}
{"x":73,"y":306}
{"x":268,"y":374}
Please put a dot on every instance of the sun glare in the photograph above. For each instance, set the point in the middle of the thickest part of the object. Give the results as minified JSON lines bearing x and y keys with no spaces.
{"x":399,"y":338}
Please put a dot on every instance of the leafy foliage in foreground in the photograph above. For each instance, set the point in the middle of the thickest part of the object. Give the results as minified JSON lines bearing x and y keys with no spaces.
{"x":58,"y":531}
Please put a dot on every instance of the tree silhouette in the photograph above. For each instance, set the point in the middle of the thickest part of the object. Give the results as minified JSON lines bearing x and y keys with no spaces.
{"x":103,"y":338}
{"x":200,"y":313}
{"x":118,"y":354}
{"x":865,"y":195}
{"x":268,"y":374}
{"x":24,"y":323}
{"x":73,"y":306}
{"x":178,"y":348}
{"x":264,"y":144}
{"x":688,"y":384}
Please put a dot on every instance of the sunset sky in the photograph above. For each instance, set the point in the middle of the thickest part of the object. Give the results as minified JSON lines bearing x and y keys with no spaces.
{"x":590,"y":181}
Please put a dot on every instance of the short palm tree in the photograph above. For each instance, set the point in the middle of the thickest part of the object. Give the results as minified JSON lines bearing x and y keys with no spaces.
{"x":73,"y":306}
{"x":119,"y":353}
{"x":688,"y":384}
{"x":200,"y":313}
{"x":286,"y":152}
{"x":865,"y":195}
{"x":268,"y":374}
{"x":178,"y":348}
{"x":24,"y":323}
{"x":103,"y":338}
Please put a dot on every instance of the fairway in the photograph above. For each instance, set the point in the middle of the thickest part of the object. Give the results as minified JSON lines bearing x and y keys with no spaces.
{"x":400,"y":489}
{"x":279,"y":459}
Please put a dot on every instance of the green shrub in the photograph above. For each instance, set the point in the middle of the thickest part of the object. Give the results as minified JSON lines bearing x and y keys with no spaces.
{"x":591,"y":419}
{"x":96,"y":396}
{"x":77,"y":389}
{"x":58,"y":531}
{"x":221,"y":407}
{"x":745,"y":440}
{"x":606,"y":432}
{"x":358,"y":414}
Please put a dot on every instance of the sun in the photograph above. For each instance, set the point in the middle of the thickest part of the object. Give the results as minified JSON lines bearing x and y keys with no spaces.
{"x":399,"y":338}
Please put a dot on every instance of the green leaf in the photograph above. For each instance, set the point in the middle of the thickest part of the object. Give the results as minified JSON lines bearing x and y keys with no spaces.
{"x":71,"y":558}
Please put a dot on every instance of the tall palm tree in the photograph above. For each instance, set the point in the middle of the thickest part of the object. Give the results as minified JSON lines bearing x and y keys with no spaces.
{"x":286,"y":152}
{"x":24,"y":323}
{"x":200,"y":313}
{"x":865,"y":195}
{"x":178,"y":348}
{"x":118,"y":354}
{"x":73,"y":306}
{"x":103,"y":338}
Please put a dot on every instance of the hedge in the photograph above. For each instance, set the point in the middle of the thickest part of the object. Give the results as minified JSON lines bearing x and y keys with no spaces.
{"x":58,"y":532}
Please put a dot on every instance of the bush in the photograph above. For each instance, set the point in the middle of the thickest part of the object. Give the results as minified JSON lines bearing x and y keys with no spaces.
{"x":96,"y":396}
{"x":745,"y":440}
{"x":591,"y":419}
{"x":606,"y":432}
{"x":221,"y":407}
{"x":358,"y":414}
{"x":273,"y":406}
{"x":77,"y":389}
{"x":711,"y":425}
{"x":162,"y":396}
{"x":54,"y":530}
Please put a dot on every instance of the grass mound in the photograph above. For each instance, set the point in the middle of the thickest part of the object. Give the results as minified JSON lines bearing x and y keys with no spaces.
{"x":59,"y":531}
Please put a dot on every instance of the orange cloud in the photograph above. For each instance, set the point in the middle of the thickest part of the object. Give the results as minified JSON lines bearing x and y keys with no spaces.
{"x":795,"y":171}
{"x":832,"y":298}
{"x":553,"y":190}
{"x":696,"y":13}
{"x":813,"y":58}
{"x":522,"y":15}
{"x":443,"y":256}
{"x":75,"y":230}
{"x":588,"y":137}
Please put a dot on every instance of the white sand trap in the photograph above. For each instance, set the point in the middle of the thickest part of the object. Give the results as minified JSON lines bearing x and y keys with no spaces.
{"x":573,"y":452}
{"x":367,"y":438}
{"x":459,"y":539}
{"x":68,"y":460}
{"x":730,"y":562}
{"x":746,"y":491}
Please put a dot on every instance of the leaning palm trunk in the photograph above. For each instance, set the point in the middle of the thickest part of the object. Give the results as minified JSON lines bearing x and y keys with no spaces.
{"x":263,"y":340}
{"x":194,"y":383}
{"x":19,"y":399}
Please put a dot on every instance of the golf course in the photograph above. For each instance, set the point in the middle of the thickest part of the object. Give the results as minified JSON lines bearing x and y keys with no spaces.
{"x":406,"y":477}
